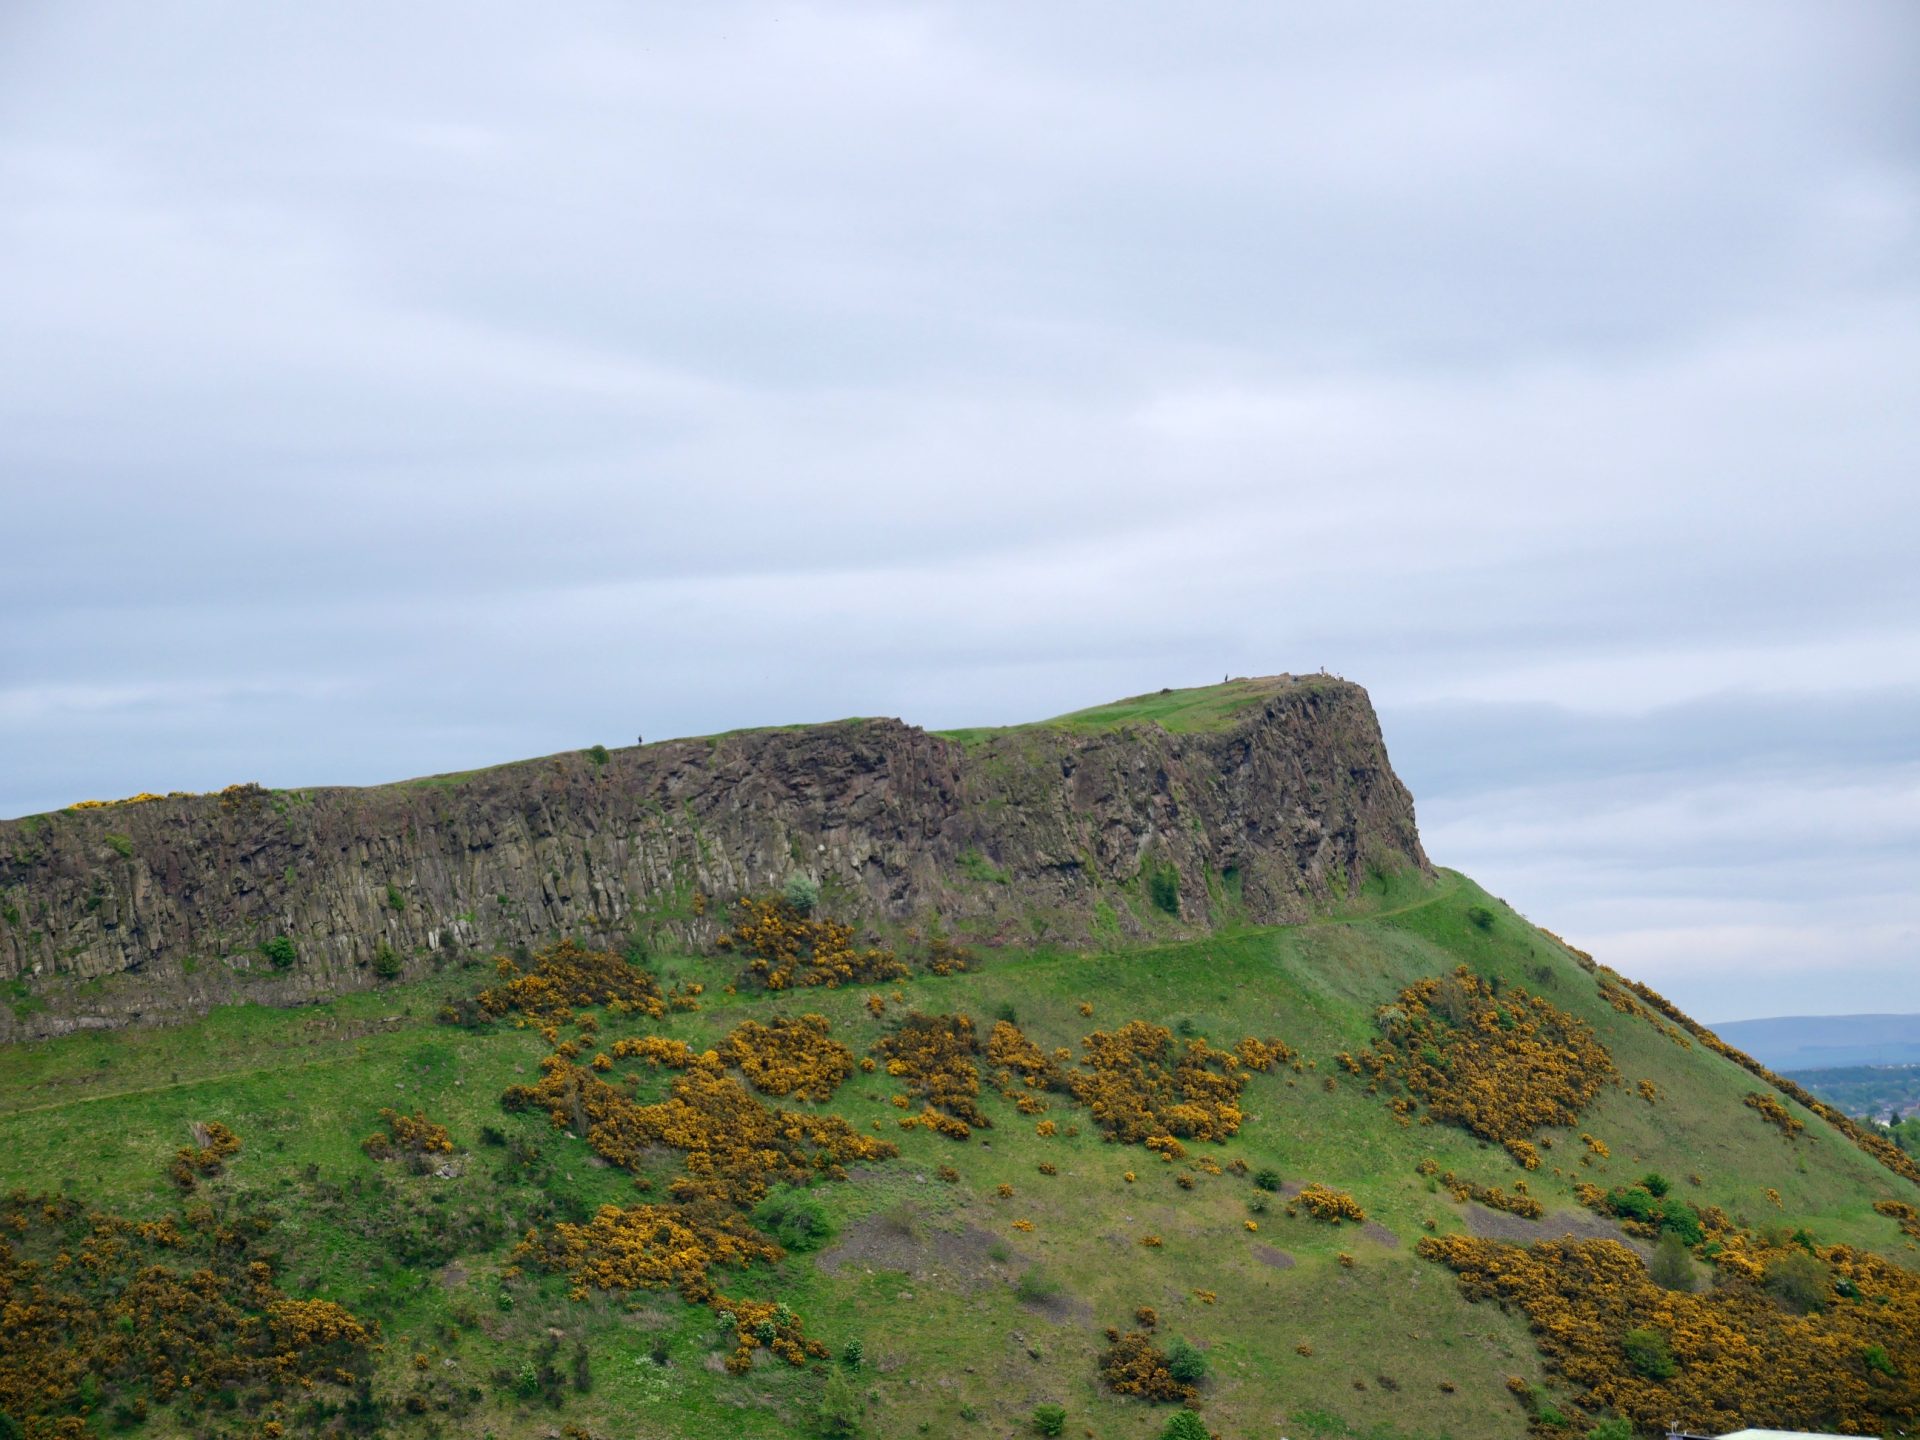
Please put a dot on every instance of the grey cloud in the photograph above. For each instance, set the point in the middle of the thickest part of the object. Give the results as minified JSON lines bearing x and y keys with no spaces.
{"x":533,"y":378}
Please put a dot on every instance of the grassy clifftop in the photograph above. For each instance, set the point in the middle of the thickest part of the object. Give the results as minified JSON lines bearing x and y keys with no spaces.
{"x":1203,"y":709}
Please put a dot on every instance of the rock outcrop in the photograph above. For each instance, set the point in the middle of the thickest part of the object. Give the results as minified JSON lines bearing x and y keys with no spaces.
{"x":157,"y":909}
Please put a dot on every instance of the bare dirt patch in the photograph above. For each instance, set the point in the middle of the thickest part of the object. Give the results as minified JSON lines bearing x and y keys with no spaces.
{"x":1061,"y":1308}
{"x":961,"y":1258}
{"x":1379,"y":1233}
{"x":1278,"y":1259}
{"x":1561,"y":1225}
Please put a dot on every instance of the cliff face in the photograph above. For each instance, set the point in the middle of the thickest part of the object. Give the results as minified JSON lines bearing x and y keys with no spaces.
{"x":157,"y":909}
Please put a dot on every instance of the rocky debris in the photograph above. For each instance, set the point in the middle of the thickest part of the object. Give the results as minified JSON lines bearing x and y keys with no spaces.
{"x":159,"y":909}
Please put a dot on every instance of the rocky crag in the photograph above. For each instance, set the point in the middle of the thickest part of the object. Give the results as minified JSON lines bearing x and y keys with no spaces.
{"x":1062,"y":832}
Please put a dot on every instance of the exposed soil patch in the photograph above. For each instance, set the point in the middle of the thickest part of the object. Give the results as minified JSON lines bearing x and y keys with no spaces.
{"x":1375,"y":1231}
{"x":960,"y":1258}
{"x":1061,"y":1308}
{"x":1278,"y":1259}
{"x":1561,"y":1225}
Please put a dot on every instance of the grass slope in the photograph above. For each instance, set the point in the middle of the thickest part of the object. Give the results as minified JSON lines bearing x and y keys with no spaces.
{"x":1201,"y":708}
{"x":967,"y":1321}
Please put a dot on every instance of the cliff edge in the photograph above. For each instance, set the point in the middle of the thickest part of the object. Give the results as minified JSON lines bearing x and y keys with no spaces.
{"x":1255,"y":801}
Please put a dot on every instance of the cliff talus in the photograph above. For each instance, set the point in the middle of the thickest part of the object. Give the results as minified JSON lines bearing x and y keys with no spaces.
{"x":159,"y":909}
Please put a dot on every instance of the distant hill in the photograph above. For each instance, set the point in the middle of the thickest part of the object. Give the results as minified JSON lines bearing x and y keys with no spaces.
{"x":1808,"y":1042}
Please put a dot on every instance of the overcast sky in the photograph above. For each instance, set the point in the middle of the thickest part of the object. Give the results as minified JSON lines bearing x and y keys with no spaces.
{"x":393,"y":389}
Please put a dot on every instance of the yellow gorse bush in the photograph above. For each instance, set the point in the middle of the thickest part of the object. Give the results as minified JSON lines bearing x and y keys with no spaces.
{"x":1324,"y":1203}
{"x":1139,"y":1084}
{"x":786,"y":949}
{"x":407,"y":1135}
{"x":789,"y":1057}
{"x":153,"y":1310}
{"x":1852,"y":1366}
{"x":935,"y":1055}
{"x":567,"y":976}
{"x":1502,"y":1065}
{"x":1134,"y":1365}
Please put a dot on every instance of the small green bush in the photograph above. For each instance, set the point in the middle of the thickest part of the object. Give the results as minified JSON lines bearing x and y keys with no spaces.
{"x":1267,"y":1179}
{"x":1672,"y":1266}
{"x":598,"y":754}
{"x":1185,"y":1425}
{"x":395,"y":900}
{"x":1655,"y":1184}
{"x":1186,"y":1363}
{"x":1163,"y":888}
{"x":1649,"y":1353}
{"x":120,"y":844}
{"x":1049,"y":1419}
{"x":1799,"y":1282}
{"x":853,"y":1354}
{"x":1036,"y":1287}
{"x":802,"y":892}
{"x":279,"y":952}
{"x":1875,"y":1357}
{"x":386,"y":962}
{"x":1480,"y":917}
{"x":839,"y":1412}
{"x":795,"y":1218}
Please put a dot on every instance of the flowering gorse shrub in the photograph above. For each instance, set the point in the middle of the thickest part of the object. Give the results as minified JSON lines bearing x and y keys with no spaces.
{"x":1021,"y":1069}
{"x":1139,"y":1084}
{"x":934,"y":1055}
{"x":567,"y":976}
{"x":1774,"y":1113}
{"x":787,"y":947}
{"x":1501,"y":1064}
{"x":1263,"y":1055}
{"x":1492,"y":1196}
{"x":734,"y":1149}
{"x":1134,"y":1365}
{"x":1733,"y":1350}
{"x":789,"y":1057}
{"x":407,"y":1135}
{"x":1325,"y":1203}
{"x":734,"y":1146}
{"x":213,"y":1145}
{"x":104,"y":1311}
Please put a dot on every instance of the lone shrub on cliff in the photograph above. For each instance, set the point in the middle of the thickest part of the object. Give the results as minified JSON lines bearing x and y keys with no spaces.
{"x":802,"y":892}
{"x":1163,"y":888}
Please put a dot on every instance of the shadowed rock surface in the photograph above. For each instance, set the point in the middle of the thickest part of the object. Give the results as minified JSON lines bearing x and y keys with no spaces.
{"x":157,"y":909}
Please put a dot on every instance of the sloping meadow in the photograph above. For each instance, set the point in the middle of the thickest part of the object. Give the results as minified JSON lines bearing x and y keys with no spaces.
{"x":1276,"y":1176}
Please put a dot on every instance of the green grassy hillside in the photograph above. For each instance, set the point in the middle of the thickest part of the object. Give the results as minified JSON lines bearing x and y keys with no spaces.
{"x":1180,"y":712}
{"x":971,"y":1306}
